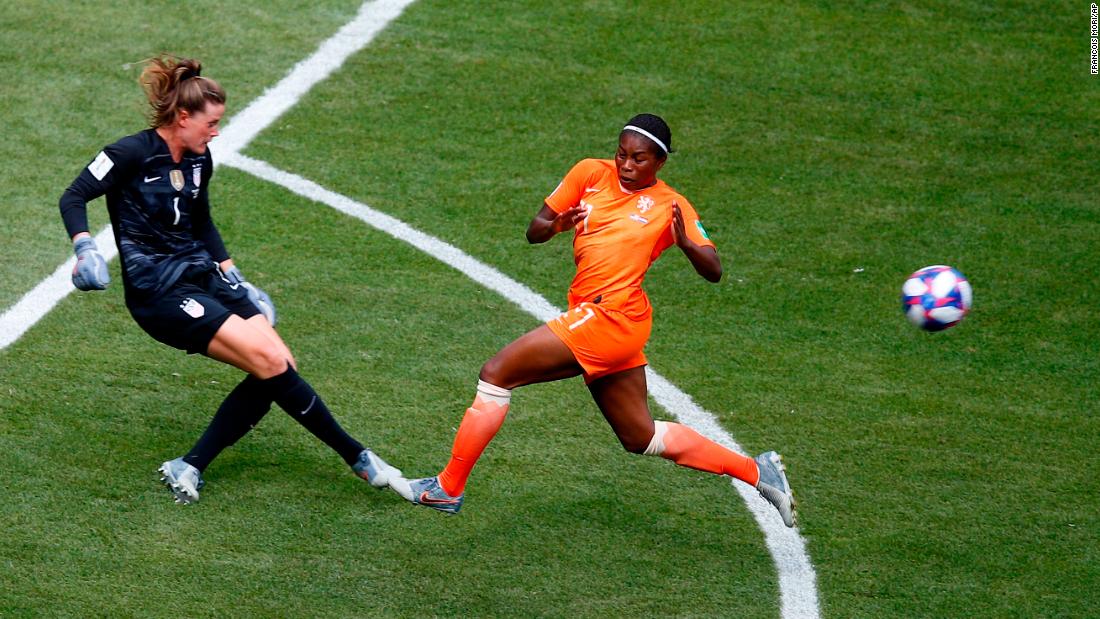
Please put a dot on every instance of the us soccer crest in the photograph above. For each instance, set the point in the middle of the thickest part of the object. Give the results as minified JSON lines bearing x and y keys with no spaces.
{"x":196,"y":176}
{"x":176,"y":176}
{"x":192,"y":307}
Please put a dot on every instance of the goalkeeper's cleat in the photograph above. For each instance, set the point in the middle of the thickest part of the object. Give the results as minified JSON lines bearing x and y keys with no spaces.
{"x":773,"y":485}
{"x":429,"y":493}
{"x":182,"y":479}
{"x":402,"y":486}
{"x":375,"y":470}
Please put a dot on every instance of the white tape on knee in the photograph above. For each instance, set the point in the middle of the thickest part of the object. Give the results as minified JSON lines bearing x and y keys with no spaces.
{"x":491,"y":393}
{"x":657,"y":443}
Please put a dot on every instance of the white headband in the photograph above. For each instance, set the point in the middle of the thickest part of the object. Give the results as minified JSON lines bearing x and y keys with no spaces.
{"x":648,"y":135}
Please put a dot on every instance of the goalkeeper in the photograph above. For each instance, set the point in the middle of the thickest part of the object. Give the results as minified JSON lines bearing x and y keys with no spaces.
{"x":180,"y":284}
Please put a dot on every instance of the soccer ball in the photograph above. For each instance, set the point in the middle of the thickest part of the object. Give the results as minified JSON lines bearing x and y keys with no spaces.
{"x":936,"y":297}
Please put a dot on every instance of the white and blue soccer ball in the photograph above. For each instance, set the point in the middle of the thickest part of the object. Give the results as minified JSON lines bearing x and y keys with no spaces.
{"x":936,"y":297}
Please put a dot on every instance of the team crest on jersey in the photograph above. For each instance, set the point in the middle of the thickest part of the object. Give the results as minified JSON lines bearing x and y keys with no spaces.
{"x":192,"y":308}
{"x":645,"y":203}
{"x":196,"y":176}
{"x":176,"y":176}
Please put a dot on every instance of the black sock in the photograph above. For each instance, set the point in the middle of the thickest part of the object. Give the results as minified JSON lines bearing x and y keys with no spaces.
{"x":241,"y":410}
{"x":295,"y":396}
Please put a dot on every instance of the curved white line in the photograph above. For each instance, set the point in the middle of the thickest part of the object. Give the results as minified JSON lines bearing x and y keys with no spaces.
{"x":373,"y":17}
{"x":797,"y":578}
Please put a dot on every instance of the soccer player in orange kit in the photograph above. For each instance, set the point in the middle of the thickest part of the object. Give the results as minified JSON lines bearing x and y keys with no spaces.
{"x":623,"y":217}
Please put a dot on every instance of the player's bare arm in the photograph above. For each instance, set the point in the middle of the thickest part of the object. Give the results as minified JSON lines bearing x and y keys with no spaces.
{"x":704,"y":259}
{"x":547,"y":223}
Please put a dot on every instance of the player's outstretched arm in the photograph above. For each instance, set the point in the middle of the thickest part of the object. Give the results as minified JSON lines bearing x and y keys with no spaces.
{"x":548,"y":222}
{"x":704,"y":258}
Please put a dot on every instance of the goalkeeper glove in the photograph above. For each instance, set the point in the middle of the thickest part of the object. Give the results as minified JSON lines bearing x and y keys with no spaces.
{"x":258,"y":297}
{"x":90,"y":271}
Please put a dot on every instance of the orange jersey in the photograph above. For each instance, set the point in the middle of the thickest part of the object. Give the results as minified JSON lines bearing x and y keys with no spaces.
{"x":621,"y":235}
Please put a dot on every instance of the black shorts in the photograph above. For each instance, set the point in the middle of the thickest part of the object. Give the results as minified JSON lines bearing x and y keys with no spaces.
{"x":189,"y":313}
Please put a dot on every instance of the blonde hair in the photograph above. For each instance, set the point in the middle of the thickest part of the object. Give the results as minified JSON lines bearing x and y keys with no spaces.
{"x":172,"y":84}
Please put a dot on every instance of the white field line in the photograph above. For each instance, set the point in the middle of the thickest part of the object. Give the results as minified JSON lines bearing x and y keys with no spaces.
{"x":373,"y":17}
{"x":797,"y":578}
{"x":48,"y":293}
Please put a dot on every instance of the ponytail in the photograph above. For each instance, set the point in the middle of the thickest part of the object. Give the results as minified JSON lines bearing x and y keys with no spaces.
{"x":172,"y":84}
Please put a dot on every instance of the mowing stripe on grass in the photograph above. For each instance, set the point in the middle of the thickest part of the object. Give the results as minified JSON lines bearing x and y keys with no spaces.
{"x":797,"y":578}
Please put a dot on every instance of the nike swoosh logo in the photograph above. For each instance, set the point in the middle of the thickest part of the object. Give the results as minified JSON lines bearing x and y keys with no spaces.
{"x":309,"y":407}
{"x":149,"y":180}
{"x":427,"y":499}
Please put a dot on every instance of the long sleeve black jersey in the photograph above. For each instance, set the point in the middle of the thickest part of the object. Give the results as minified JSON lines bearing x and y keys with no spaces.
{"x":159,"y":210}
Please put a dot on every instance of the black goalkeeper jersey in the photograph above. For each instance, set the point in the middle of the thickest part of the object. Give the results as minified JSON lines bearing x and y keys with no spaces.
{"x":159,"y":210}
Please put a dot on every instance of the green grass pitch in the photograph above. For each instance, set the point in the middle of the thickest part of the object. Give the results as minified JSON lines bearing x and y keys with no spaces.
{"x":831,"y":150}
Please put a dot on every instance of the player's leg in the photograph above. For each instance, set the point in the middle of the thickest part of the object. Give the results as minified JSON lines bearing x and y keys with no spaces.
{"x":241,"y":411}
{"x":537,"y":356}
{"x":254,"y":347}
{"x":242,"y":344}
{"x":622,"y":398}
{"x":260,"y":323}
{"x":186,"y":317}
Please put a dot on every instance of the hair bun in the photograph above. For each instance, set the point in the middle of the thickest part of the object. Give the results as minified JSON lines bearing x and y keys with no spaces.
{"x":190,"y":72}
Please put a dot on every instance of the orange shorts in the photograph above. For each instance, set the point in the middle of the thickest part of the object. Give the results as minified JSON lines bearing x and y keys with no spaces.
{"x":603,"y":340}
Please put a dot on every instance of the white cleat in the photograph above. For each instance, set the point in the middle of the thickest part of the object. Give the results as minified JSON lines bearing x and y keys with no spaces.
{"x":402,"y":486}
{"x":182,"y":479}
{"x":375,"y":470}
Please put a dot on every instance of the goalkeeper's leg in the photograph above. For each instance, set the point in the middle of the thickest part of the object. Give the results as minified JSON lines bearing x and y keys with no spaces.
{"x":241,"y":410}
{"x":256,"y":348}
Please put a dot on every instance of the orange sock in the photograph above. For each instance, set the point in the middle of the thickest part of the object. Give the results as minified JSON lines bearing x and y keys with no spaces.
{"x":479,"y":426}
{"x":687,"y":447}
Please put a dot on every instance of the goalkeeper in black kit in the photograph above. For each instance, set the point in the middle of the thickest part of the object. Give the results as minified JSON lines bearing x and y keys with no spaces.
{"x":180,"y":284}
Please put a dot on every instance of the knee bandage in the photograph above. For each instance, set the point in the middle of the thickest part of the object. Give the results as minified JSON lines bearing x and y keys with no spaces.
{"x":657,"y":443}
